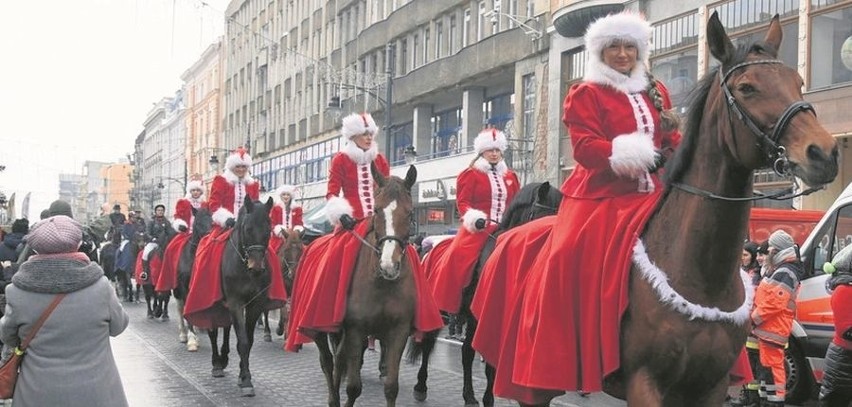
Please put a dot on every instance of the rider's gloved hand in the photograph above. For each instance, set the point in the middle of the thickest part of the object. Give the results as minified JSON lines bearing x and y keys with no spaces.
{"x":231,"y":222}
{"x":182,"y":228}
{"x":659,"y":161}
{"x":347,"y":222}
{"x":480,"y":223}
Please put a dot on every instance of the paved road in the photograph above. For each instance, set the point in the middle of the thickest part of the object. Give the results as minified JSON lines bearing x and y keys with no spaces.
{"x":157,"y":371}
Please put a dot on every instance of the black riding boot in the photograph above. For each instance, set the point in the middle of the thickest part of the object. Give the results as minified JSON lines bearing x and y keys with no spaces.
{"x":747,"y":398}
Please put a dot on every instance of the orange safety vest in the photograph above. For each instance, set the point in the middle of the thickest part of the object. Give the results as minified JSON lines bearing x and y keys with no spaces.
{"x":775,"y":306}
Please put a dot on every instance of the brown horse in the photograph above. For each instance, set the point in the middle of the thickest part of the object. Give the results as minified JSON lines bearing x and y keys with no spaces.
{"x":681,"y":335}
{"x":382,"y":295}
{"x":288,"y":255}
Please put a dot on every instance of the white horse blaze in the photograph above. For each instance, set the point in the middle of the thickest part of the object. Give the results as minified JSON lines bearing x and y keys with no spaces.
{"x":387,"y":248}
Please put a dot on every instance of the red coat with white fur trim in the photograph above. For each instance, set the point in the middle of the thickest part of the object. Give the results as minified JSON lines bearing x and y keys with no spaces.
{"x":602,"y":123}
{"x":183,"y":212}
{"x":292,"y":219}
{"x":481,"y":192}
{"x":355,"y":180}
{"x":224,"y":194}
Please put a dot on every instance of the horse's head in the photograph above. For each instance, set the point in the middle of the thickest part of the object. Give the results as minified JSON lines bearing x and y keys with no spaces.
{"x":253,"y":227}
{"x":533,"y":201}
{"x":290,"y":251}
{"x":773,"y":125}
{"x":202,"y":222}
{"x":392,"y":220}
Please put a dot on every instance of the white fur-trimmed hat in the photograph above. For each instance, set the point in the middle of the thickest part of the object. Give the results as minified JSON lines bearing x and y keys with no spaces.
{"x":625,"y":25}
{"x":488,"y":139}
{"x":358,"y":123}
{"x":286,"y":189}
{"x":240,"y":156}
{"x":194,"y":184}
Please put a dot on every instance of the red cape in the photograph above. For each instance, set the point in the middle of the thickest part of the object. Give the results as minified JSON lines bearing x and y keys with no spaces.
{"x":449,"y":266}
{"x":205,"y":306}
{"x":154,"y":264}
{"x":322,"y":284}
{"x":171,"y":257}
{"x":572,"y":300}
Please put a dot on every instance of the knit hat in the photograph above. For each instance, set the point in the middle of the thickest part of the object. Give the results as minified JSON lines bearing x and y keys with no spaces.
{"x":21,"y":226}
{"x":356,"y":124}
{"x":60,"y":207}
{"x":56,"y":234}
{"x":489,"y":139}
{"x":780,"y":240}
{"x":240,"y":156}
{"x":44,"y":214}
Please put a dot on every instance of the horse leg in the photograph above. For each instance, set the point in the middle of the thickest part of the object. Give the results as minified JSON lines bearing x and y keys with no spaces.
{"x":426,"y":346}
{"x":468,"y":355}
{"x":327,"y":364}
{"x":350,"y":351}
{"x":392,"y":346}
{"x":182,"y":331}
{"x":218,"y":368}
{"x":714,"y":397}
{"x":226,"y":346}
{"x":267,"y":333}
{"x":488,"y":396}
{"x":164,"y":298}
{"x":283,"y":316}
{"x":244,"y":319}
{"x":187,"y":329}
{"x":642,"y":390}
{"x":148,"y":299}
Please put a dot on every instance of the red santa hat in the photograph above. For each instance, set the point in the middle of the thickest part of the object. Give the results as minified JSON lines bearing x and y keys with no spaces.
{"x":240,"y":156}
{"x":358,"y":123}
{"x":489,"y":139}
{"x":625,"y":26}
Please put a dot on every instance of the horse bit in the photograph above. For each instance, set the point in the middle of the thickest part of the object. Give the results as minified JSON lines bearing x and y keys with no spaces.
{"x":403,"y":243}
{"x":776,"y":154}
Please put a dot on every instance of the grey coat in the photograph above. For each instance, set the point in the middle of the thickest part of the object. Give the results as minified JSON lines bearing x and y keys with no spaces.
{"x":70,"y":361}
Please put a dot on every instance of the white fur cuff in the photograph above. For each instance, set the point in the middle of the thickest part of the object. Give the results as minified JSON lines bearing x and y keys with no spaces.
{"x":278,"y":230}
{"x":178,"y":223}
{"x":470,"y":217}
{"x":335,"y":207}
{"x":221,"y":216}
{"x":632,"y":155}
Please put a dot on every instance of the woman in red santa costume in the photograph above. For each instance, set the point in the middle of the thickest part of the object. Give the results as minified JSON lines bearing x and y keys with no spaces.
{"x":285,"y":215}
{"x":182,"y":222}
{"x":562,"y":331}
{"x":484,"y":191}
{"x":325,"y":268}
{"x":228,"y":191}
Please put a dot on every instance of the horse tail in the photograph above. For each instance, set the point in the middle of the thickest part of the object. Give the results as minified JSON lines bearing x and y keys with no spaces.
{"x":417,"y":349}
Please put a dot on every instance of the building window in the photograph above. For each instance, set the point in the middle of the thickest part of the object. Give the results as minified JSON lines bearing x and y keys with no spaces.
{"x":401,"y":137}
{"x":439,"y":39}
{"x":403,"y":56}
{"x":675,"y":56}
{"x":452,"y":35}
{"x":675,"y":33}
{"x":445,"y":132}
{"x":415,"y":47}
{"x":465,"y":27}
{"x":498,"y":111}
{"x":480,"y":22}
{"x":737,"y":15}
{"x":831,"y":48}
{"x":577,"y":59}
{"x":529,"y":86}
{"x":495,"y":18}
{"x":426,"y":45}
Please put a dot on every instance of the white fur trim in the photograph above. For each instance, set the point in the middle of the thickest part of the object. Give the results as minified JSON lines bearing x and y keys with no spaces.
{"x":470,"y":217}
{"x":659,"y":281}
{"x":601,"y":73}
{"x":233,"y":179}
{"x":356,"y":124}
{"x":335,"y":207}
{"x":483,"y":165}
{"x":298,"y":228}
{"x":238,"y":157}
{"x":278,"y":230}
{"x":627,"y":26}
{"x":286,"y":189}
{"x":632,"y":155}
{"x":222,"y":215}
{"x":360,"y":156}
{"x":488,"y":139}
{"x":178,"y":222}
{"x":195,"y":184}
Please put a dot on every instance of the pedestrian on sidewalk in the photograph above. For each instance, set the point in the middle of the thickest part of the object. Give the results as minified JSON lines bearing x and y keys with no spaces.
{"x":69,"y":361}
{"x":836,"y":390}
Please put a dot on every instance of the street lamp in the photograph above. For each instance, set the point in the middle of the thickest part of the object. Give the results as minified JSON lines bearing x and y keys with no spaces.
{"x":410,"y":155}
{"x":521,"y":21}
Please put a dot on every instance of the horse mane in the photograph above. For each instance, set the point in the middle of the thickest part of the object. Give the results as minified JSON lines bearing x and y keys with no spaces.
{"x":697,"y":100}
{"x":522,"y":201}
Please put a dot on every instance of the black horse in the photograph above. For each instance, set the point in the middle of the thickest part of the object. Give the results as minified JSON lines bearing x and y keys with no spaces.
{"x":201,"y":225}
{"x":245,"y":278}
{"x":533,"y":201}
{"x":152,"y":256}
{"x":107,"y":257}
{"x":125,"y":263}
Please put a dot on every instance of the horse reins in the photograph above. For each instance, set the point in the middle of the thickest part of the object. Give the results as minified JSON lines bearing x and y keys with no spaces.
{"x":775,"y":154}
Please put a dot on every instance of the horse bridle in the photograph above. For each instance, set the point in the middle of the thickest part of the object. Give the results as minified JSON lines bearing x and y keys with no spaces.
{"x":776,"y":155}
{"x":244,"y":251}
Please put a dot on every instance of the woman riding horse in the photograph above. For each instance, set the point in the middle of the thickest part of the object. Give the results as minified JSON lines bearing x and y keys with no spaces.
{"x":319,"y":292}
{"x":618,"y":121}
{"x":183,"y":219}
{"x":484,"y":190}
{"x":285,"y":215}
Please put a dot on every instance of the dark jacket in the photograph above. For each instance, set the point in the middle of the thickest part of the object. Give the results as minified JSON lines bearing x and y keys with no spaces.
{"x":9,"y":250}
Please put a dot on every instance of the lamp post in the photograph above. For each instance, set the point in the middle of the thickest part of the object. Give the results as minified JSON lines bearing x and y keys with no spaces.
{"x":410,"y":155}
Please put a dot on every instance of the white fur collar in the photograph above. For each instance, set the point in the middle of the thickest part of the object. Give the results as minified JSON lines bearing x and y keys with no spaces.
{"x":599,"y":72}
{"x":358,"y":155}
{"x":482,"y":164}
{"x":232,"y":178}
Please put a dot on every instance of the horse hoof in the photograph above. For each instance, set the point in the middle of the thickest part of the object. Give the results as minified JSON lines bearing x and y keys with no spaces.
{"x":472,"y":404}
{"x":218,"y":372}
{"x":419,"y":395}
{"x":267,"y":337}
{"x":247,"y":391}
{"x":182,"y":337}
{"x":165,"y":317}
{"x":280,"y":332}
{"x":192,"y":347}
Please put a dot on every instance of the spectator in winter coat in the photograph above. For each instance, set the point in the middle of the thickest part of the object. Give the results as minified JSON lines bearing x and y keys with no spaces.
{"x":836,"y":390}
{"x":12,"y":243}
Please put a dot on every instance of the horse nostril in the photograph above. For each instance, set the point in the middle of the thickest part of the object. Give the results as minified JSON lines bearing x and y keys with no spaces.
{"x":816,"y":154}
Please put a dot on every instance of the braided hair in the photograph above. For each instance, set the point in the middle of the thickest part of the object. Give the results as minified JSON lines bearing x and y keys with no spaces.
{"x":669,"y":120}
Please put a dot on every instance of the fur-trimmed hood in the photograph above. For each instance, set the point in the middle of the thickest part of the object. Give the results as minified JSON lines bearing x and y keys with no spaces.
{"x":483,"y":165}
{"x":627,"y":26}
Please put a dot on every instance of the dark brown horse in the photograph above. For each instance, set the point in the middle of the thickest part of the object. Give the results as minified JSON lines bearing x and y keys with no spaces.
{"x":288,"y":254}
{"x":532,"y":202}
{"x":201,"y":224}
{"x":681,"y":335}
{"x":382,"y":295}
{"x":246,"y":279}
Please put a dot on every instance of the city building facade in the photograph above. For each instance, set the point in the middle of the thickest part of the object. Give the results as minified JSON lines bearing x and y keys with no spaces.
{"x":202,"y":83}
{"x":116,"y":185}
{"x":162,"y":161}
